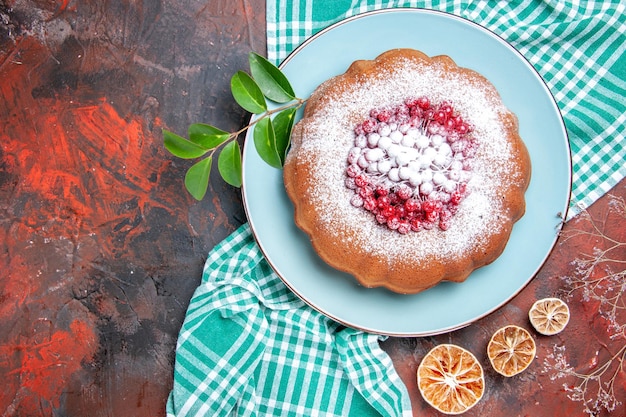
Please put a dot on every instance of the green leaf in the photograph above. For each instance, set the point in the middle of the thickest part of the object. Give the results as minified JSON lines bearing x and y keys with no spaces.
{"x":229,"y":164}
{"x":283,"y":123}
{"x":247,"y":93}
{"x":197,"y":178}
{"x":270,"y":79}
{"x":181,"y":147}
{"x":207,"y":136}
{"x":265,"y":142}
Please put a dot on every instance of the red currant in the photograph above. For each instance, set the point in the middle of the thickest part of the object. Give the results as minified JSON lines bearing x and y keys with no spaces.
{"x":412,"y":205}
{"x":416,"y":224}
{"x":428,"y":206}
{"x":393,"y":198}
{"x":381,"y":191}
{"x":388,"y":211}
{"x":369,"y":203}
{"x":393,"y":223}
{"x":447,"y":109}
{"x":361,"y":180}
{"x":404,"y":193}
{"x":440,"y":117}
{"x":366,"y":191}
{"x":432,"y":216}
{"x":423,"y":103}
{"x":456,"y":197}
{"x":411,"y":102}
{"x":369,"y":125}
{"x":384,"y":116}
{"x":404,"y":227}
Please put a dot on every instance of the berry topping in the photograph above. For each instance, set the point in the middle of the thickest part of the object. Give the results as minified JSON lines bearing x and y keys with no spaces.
{"x":410,"y":165}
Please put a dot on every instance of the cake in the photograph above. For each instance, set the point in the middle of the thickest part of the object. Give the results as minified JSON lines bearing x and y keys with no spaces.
{"x":406,"y":171}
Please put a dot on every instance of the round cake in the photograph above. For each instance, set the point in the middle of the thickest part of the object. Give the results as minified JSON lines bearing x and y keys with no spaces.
{"x":406,"y":171}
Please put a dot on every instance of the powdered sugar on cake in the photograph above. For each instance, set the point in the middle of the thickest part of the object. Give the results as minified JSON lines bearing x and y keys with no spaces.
{"x":330,"y":138}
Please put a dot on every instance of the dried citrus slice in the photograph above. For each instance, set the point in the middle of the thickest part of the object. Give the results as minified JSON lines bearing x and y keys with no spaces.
{"x":511,"y":350}
{"x":450,"y":379}
{"x":549,"y":316}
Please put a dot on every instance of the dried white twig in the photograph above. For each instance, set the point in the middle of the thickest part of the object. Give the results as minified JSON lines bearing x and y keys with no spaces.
{"x":599,"y":277}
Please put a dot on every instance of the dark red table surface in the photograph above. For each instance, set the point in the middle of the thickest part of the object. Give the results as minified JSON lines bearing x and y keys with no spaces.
{"x":101,"y":248}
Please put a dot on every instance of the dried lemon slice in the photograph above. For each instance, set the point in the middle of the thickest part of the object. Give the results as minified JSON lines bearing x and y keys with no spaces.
{"x":549,"y":316}
{"x":511,"y":350}
{"x":450,"y":379}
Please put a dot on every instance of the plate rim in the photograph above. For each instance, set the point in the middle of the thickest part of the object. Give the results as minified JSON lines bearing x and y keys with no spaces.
{"x":563,"y":214}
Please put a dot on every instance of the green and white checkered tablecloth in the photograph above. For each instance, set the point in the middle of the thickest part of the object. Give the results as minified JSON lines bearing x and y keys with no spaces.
{"x":249,"y":347}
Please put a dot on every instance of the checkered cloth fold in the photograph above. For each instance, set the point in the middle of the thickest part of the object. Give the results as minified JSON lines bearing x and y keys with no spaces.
{"x":578,"y":47}
{"x":250,"y":347}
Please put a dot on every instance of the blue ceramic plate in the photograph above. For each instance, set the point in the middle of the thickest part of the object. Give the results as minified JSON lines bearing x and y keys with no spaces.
{"x":447,"y":306}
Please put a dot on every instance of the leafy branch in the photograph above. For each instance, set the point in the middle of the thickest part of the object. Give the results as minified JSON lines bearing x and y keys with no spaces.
{"x":271,"y":129}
